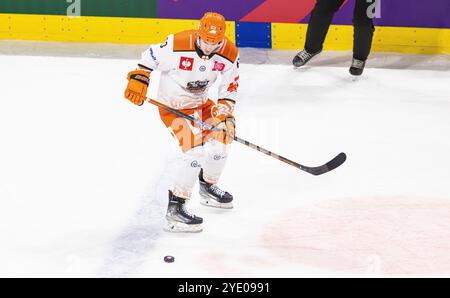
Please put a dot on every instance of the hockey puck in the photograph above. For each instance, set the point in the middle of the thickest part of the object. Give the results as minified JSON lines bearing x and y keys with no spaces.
{"x":169,"y":259}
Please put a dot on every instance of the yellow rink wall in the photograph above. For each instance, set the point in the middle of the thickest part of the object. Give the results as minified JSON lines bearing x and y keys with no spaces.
{"x":155,"y":30}
{"x":94,"y":29}
{"x":386,"y":39}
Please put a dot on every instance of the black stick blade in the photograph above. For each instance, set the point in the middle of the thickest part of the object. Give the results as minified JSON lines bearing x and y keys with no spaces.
{"x":329,"y":166}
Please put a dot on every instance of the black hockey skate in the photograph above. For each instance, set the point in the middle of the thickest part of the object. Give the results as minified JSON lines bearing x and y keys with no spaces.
{"x":178,"y":219}
{"x":357,"y":67}
{"x":211,"y":195}
{"x":303,"y":57}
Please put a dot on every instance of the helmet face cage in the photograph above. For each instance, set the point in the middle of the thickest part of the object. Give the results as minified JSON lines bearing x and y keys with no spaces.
{"x":206,"y":47}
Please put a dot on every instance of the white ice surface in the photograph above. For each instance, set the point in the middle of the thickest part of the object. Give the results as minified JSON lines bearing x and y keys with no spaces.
{"x":84,"y":173}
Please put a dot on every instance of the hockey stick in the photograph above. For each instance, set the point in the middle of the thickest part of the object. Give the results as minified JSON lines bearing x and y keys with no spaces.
{"x":329,"y":166}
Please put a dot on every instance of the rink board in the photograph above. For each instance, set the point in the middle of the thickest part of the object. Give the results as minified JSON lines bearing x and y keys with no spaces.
{"x":94,"y":29}
{"x":386,"y":39}
{"x":245,"y":34}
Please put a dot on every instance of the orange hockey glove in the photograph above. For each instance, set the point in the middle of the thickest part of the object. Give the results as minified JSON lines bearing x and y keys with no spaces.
{"x":136,"y":91}
{"x":224,"y":121}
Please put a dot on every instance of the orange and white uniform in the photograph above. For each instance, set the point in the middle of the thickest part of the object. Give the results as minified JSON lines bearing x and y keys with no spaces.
{"x":186,"y":76}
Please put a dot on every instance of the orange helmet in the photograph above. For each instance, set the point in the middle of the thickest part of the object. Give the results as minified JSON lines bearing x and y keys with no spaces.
{"x":212,"y":27}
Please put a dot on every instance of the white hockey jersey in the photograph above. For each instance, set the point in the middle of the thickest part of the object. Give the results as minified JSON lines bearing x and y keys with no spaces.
{"x":186,"y":76}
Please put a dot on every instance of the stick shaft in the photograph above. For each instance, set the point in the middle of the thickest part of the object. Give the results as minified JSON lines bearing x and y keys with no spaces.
{"x":237,"y":139}
{"x":267,"y":152}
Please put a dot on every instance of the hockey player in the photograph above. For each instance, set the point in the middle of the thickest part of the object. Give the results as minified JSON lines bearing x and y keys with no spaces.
{"x":190,"y":62}
{"x":319,"y":23}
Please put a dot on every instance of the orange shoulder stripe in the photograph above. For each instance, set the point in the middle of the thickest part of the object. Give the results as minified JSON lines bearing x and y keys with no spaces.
{"x":229,"y":51}
{"x":184,"y":41}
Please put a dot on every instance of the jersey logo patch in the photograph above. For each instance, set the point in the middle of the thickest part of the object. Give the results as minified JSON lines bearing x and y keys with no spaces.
{"x":197,"y":86}
{"x":218,"y":66}
{"x":186,"y":63}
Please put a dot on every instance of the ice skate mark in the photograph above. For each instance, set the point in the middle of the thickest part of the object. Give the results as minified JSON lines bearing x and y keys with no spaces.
{"x":130,"y":248}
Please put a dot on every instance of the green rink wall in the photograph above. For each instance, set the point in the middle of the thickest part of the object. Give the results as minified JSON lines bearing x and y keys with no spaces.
{"x":100,"y":8}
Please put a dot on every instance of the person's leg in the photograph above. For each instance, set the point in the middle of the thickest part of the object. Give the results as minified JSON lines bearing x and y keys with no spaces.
{"x":184,"y":172}
{"x":215,"y":157}
{"x":319,"y":23}
{"x":189,"y":158}
{"x":318,"y":26}
{"x":213,"y":164}
{"x":363,"y":29}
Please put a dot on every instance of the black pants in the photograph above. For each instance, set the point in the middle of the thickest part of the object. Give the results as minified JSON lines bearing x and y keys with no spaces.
{"x":320,"y":21}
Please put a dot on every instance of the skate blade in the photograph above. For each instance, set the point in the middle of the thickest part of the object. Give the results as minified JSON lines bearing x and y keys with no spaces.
{"x":212,"y":203}
{"x":178,"y":227}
